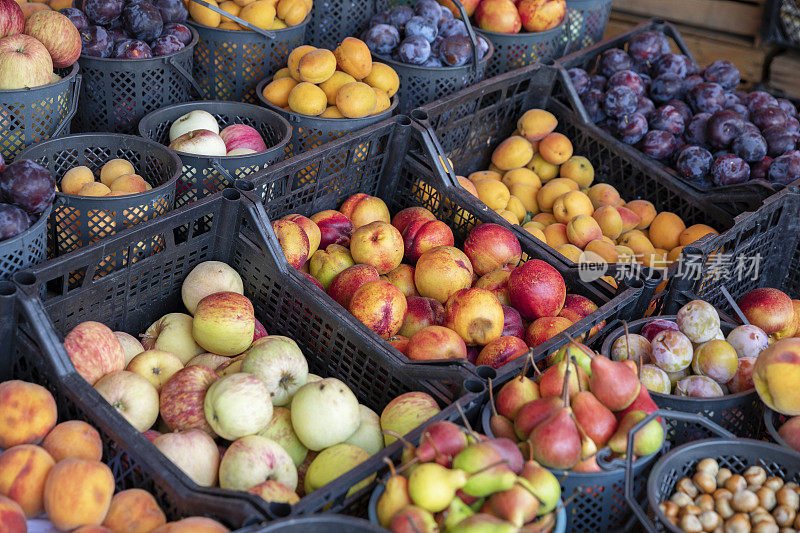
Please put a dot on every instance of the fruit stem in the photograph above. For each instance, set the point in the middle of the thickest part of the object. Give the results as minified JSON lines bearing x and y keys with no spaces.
{"x":530,"y":449}
{"x":403,"y":468}
{"x":524,"y":367}
{"x":533,"y":364}
{"x":389,"y":462}
{"x":466,"y":422}
{"x":574,"y":362}
{"x":399,"y":437}
{"x":436,"y":451}
{"x":491,"y":398}
{"x":589,"y":353}
{"x":565,"y":386}
{"x":488,"y":467}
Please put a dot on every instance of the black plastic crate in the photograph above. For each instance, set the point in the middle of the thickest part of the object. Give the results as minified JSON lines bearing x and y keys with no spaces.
{"x":734,"y":199}
{"x":222,"y":227}
{"x":781,"y":23}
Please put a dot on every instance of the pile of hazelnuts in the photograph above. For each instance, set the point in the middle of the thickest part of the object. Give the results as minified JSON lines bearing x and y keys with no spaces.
{"x":717,"y":500}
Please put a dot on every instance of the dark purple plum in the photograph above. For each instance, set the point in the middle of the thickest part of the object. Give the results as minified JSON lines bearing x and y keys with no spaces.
{"x":435,"y":46}
{"x":720,"y":153}
{"x":631,"y":128}
{"x":665,"y":88}
{"x":767,"y":117}
{"x":143,"y":21}
{"x":785,"y":169}
{"x":451,"y":27}
{"x":749,"y":146}
{"x":118,"y":34}
{"x":415,"y":50}
{"x":647,"y":81}
{"x":579,"y":79}
{"x":96,"y":42}
{"x":165,"y":45}
{"x":181,"y":31}
{"x":455,"y":51}
{"x":422,"y":27}
{"x":172,"y":10}
{"x":619,"y":101}
{"x":742,"y":95}
{"x":645,"y":106}
{"x":483,"y":47}
{"x":399,"y":15}
{"x":741,"y":109}
{"x":76,"y":16}
{"x":690,"y":82}
{"x":381,"y":17}
{"x":731,"y":99}
{"x":696,"y":129}
{"x":433,"y":61}
{"x":757,"y":99}
{"x":707,"y":98}
{"x":668,"y":118}
{"x":760,"y":169}
{"x":723,"y":72}
{"x":680,"y":144}
{"x":683,"y":107}
{"x":779,"y":141}
{"x":597,"y":81}
{"x":793,"y":126}
{"x":749,"y":127}
{"x":592,"y":100}
{"x":729,"y":169}
{"x":613,"y":60}
{"x":693,"y":162}
{"x":647,"y":46}
{"x":428,"y":9}
{"x":788,"y":107}
{"x":103,"y":12}
{"x":658,"y":144}
{"x":28,"y":185}
{"x":133,"y":49}
{"x":669,"y":64}
{"x":723,"y":127}
{"x":446,"y":14}
{"x":382,"y":38}
{"x":641,"y":67}
{"x":13,"y":221}
{"x":627,"y":78}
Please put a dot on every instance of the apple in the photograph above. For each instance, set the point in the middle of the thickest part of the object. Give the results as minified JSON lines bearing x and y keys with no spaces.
{"x":209,"y":360}
{"x":378,"y":244}
{"x":156,"y":366}
{"x":407,"y":412}
{"x":368,"y":436}
{"x":259,"y":331}
{"x":254,"y":459}
{"x":402,"y":277}
{"x":476,"y":315}
{"x":328,"y":262}
{"x":536,"y":289}
{"x":279,"y":363}
{"x":501,"y":351}
{"x":420,"y":313}
{"x":436,"y":342}
{"x":491,"y":247}
{"x":135,"y":398}
{"x":399,"y":343}
{"x":58,"y":34}
{"x":152,"y":434}
{"x":12,"y":20}
{"x":541,"y":15}
{"x":406,"y":216}
{"x":420,"y":235}
{"x":242,"y":136}
{"x":499,"y":16}
{"x":293,"y":242}
{"x":240,"y":151}
{"x":192,"y":121}
{"x":334,"y":228}
{"x":199,"y":142}
{"x":380,"y":306}
{"x":207,"y":278}
{"x":182,"y":399}
{"x":281,"y":431}
{"x":348,"y":281}
{"x":24,"y":63}
{"x":173,"y":333}
{"x":512,"y":323}
{"x":441,"y":272}
{"x":224,"y":323}
{"x":131,"y":346}
{"x":237,"y":405}
{"x":324,"y":413}
{"x":194,"y":452}
{"x":363,"y":209}
{"x":94,"y":351}
{"x":332,"y":463}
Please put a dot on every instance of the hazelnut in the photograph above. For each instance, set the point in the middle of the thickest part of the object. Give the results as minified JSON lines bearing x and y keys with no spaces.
{"x":738,"y":523}
{"x":709,"y":466}
{"x":681,"y":499}
{"x":723,"y":475}
{"x":690,"y":524}
{"x":767,"y":498}
{"x":744,"y":501}
{"x":705,"y":482}
{"x":705,"y":502}
{"x":765,"y":527}
{"x":686,"y":486}
{"x":788,"y":498}
{"x":774,"y":483}
{"x":784,"y":516}
{"x":723,"y":507}
{"x":735,"y":483}
{"x":669,"y":508}
{"x":710,"y":520}
{"x":755,"y":475}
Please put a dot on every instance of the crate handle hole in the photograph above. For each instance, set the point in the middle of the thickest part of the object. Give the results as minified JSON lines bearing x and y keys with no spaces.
{"x":474,"y":385}
{"x":7,"y":288}
{"x":25,"y":278}
{"x":486,"y":372}
{"x":231,"y":194}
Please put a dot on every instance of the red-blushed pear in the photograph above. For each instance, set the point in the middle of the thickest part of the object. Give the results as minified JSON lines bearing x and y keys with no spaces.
{"x":596,"y":420}
{"x":556,"y":442}
{"x":363,"y":209}
{"x":380,"y":306}
{"x":587,"y":465}
{"x":643,"y":402}
{"x":545,"y":328}
{"x":58,"y":34}
{"x":94,"y":351}
{"x":646,"y":441}
{"x":614,"y":383}
{"x":475,"y":314}
{"x":412,"y":519}
{"x":407,"y":412}
{"x":224,"y":323}
{"x":194,"y":452}
{"x":436,"y":342}
{"x":182,"y":397}
{"x":499,"y":425}
{"x":293,"y":241}
{"x":402,"y":277}
{"x":273,"y":491}
{"x":543,"y":484}
{"x":516,"y":505}
{"x":12,"y":19}
{"x":394,"y":498}
{"x":510,"y":453}
{"x":536,"y":289}
{"x":492,"y":247}
{"x":776,"y":374}
{"x":512,"y":323}
{"x":348,"y":281}
{"x":441,"y":272}
{"x":440,"y":442}
{"x":552,"y":381}
{"x":533,"y":413}
{"x":516,"y":393}
{"x":500,"y":351}
{"x":421,"y":235}
{"x":421,"y":313}
{"x":406,"y":216}
{"x":334,"y":228}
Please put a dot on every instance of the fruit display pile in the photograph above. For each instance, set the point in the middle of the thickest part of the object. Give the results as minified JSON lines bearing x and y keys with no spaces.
{"x":264,"y":14}
{"x":117,"y":177}
{"x":197,"y":132}
{"x":507,"y":16}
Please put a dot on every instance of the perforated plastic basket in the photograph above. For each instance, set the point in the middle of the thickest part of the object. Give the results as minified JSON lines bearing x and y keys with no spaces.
{"x":587,"y":22}
{"x":202,"y":176}
{"x":26,"y":249}
{"x":333,"y":20}
{"x":28,"y":116}
{"x":517,"y":50}
{"x":117,"y":93}
{"x":781,"y":23}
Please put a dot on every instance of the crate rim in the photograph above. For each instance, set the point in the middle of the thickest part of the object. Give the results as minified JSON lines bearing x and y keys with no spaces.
{"x":450,"y":70}
{"x":196,"y":26}
{"x":530,"y":35}
{"x":161,"y":59}
{"x":72,"y":77}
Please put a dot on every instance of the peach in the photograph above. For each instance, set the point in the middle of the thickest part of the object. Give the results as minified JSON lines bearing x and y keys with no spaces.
{"x":93,"y":188}
{"x":436,"y":342}
{"x":490,"y":247}
{"x":629,"y":219}
{"x":769,"y":309}
{"x":78,"y":493}
{"x":129,"y":184}
{"x":545,"y":328}
{"x":609,"y":220}
{"x":665,"y":230}
{"x":134,"y":511}
{"x":380,"y":306}
{"x":556,"y":235}
{"x":645,"y":210}
{"x":499,"y":16}
{"x":514,"y":152}
{"x":420,"y":313}
{"x":406,"y":216}
{"x":402,"y":277}
{"x":349,"y":281}
{"x":776,"y":374}
{"x":193,"y":524}
{"x":27,"y":413}
{"x":545,"y":219}
{"x":95,"y":529}
{"x":583,"y":229}
{"x":545,"y":170}
{"x":536,"y":124}
{"x":475,"y":314}
{"x":789,"y":432}
{"x":555,"y":148}
{"x":571,"y":204}
{"x":293,"y":241}
{"x":715,"y":359}
{"x":363,"y":209}
{"x":501,"y":351}
{"x":546,"y":196}
{"x":633,"y":347}
{"x":468,"y":185}
{"x":421,"y":235}
{"x":23,"y":472}
{"x":570,"y":251}
{"x":399,"y":343}
{"x":378,"y":244}
{"x":74,"y":438}
{"x":603,"y":194}
{"x":606,"y":251}
{"x":310,"y":228}
{"x":441,"y":272}
{"x":496,"y":282}
{"x":334,"y":228}
{"x":12,"y":519}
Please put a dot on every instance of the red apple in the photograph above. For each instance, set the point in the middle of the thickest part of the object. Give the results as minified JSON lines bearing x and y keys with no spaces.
{"x":580,"y":304}
{"x":200,"y":142}
{"x":313,"y":280}
{"x":512,"y":323}
{"x":499,"y":16}
{"x":182,"y":397}
{"x":293,"y":241}
{"x":194,"y":452}
{"x":421,"y":235}
{"x":421,"y":313}
{"x":545,"y":328}
{"x":770,"y":309}
{"x":362,"y":209}
{"x":496,"y":282}
{"x":94,"y":351}
{"x":475,"y":314}
{"x":406,"y":216}
{"x":24,"y":62}
{"x":492,"y":247}
{"x":378,"y":244}
{"x":436,"y":342}
{"x":259,"y":331}
{"x":536,"y":289}
{"x":348,"y":282}
{"x":541,"y":15}
{"x":152,"y":434}
{"x":334,"y":228}
{"x":12,"y":20}
{"x":242,"y":136}
{"x":224,"y":323}
{"x":58,"y":34}
{"x":501,"y":351}
{"x":380,"y":306}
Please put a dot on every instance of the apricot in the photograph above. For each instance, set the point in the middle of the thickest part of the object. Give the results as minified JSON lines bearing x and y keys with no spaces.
{"x":674,"y":254}
{"x":578,"y":169}
{"x":316,"y":66}
{"x":603,"y":249}
{"x":74,"y":438}
{"x":571,"y":204}
{"x":515,"y":206}
{"x":544,"y":218}
{"x":556,"y":235}
{"x":129,"y":184}
{"x":57,"y":5}
{"x":603,"y":194}
{"x":308,"y":99}
{"x":383,"y":101}
{"x":27,"y":413}
{"x":536,"y":124}
{"x":514,"y":152}
{"x":550,"y":191}
{"x":12,"y":519}
{"x":23,"y":472}
{"x":29,"y":8}
{"x":292,"y":11}
{"x":583,"y":229}
{"x":624,"y":254}
{"x":383,"y":77}
{"x":193,"y":524}
{"x":485,"y":174}
{"x":353,"y":57}
{"x":356,"y":100}
{"x":134,"y":511}
{"x":331,"y":112}
{"x":521,"y":175}
{"x":116,"y":168}
{"x":203,"y":15}
{"x":468,"y":185}
{"x":230,"y":7}
{"x":99,"y":529}
{"x":277,"y":91}
{"x":556,"y":148}
{"x":527,"y":195}
{"x":75,"y":178}
{"x":293,"y":61}
{"x":640,"y":244}
{"x":493,"y":193}
{"x":260,"y":14}
{"x":544,"y":169}
{"x":645,"y":210}
{"x":509,"y":216}
{"x":223,"y":26}
{"x":694,"y":233}
{"x":570,"y":251}
{"x":609,"y":220}
{"x":665,"y":230}
{"x":282,"y":73}
{"x":78,"y":493}
{"x":332,"y":85}
{"x":535,"y":231}
{"x":94,"y":188}
{"x":629,"y":220}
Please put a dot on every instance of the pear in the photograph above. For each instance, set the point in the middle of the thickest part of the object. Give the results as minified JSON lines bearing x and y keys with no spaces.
{"x":553,"y":379}
{"x":575,"y":351}
{"x":556,"y":442}
{"x":541,"y":482}
{"x":614,"y":383}
{"x":499,"y":425}
{"x":489,"y":473}
{"x":413,"y":519}
{"x":646,"y":441}
{"x":483,"y":523}
{"x":597,"y":421}
{"x":518,"y":505}
{"x":517,"y":392}
{"x":588,"y":447}
{"x":395,"y":497}
{"x":432,"y":486}
{"x":456,"y":512}
{"x":441,"y":441}
{"x":533,"y":413}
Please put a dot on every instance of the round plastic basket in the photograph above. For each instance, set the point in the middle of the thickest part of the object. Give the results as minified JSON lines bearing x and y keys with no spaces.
{"x":202,"y":176}
{"x":587,"y":23}
{"x":26,"y":249}
{"x":739,"y":413}
{"x":77,"y":221}
{"x":28,"y":116}
{"x":117,"y":93}
{"x":333,"y":20}
{"x":517,"y":50}
{"x":324,"y":523}
{"x":228,"y":64}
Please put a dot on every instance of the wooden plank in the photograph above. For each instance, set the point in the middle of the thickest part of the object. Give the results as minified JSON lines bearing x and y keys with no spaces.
{"x":784,"y":73}
{"x":721,"y":15}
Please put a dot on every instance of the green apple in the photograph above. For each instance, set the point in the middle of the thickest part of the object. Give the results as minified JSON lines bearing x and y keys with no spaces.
{"x":324,"y":413}
{"x":224,"y":323}
{"x":207,"y":278}
{"x":368,"y":436}
{"x":237,"y":405}
{"x":280,"y":430}
{"x":172,"y":333}
{"x":280,"y":364}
